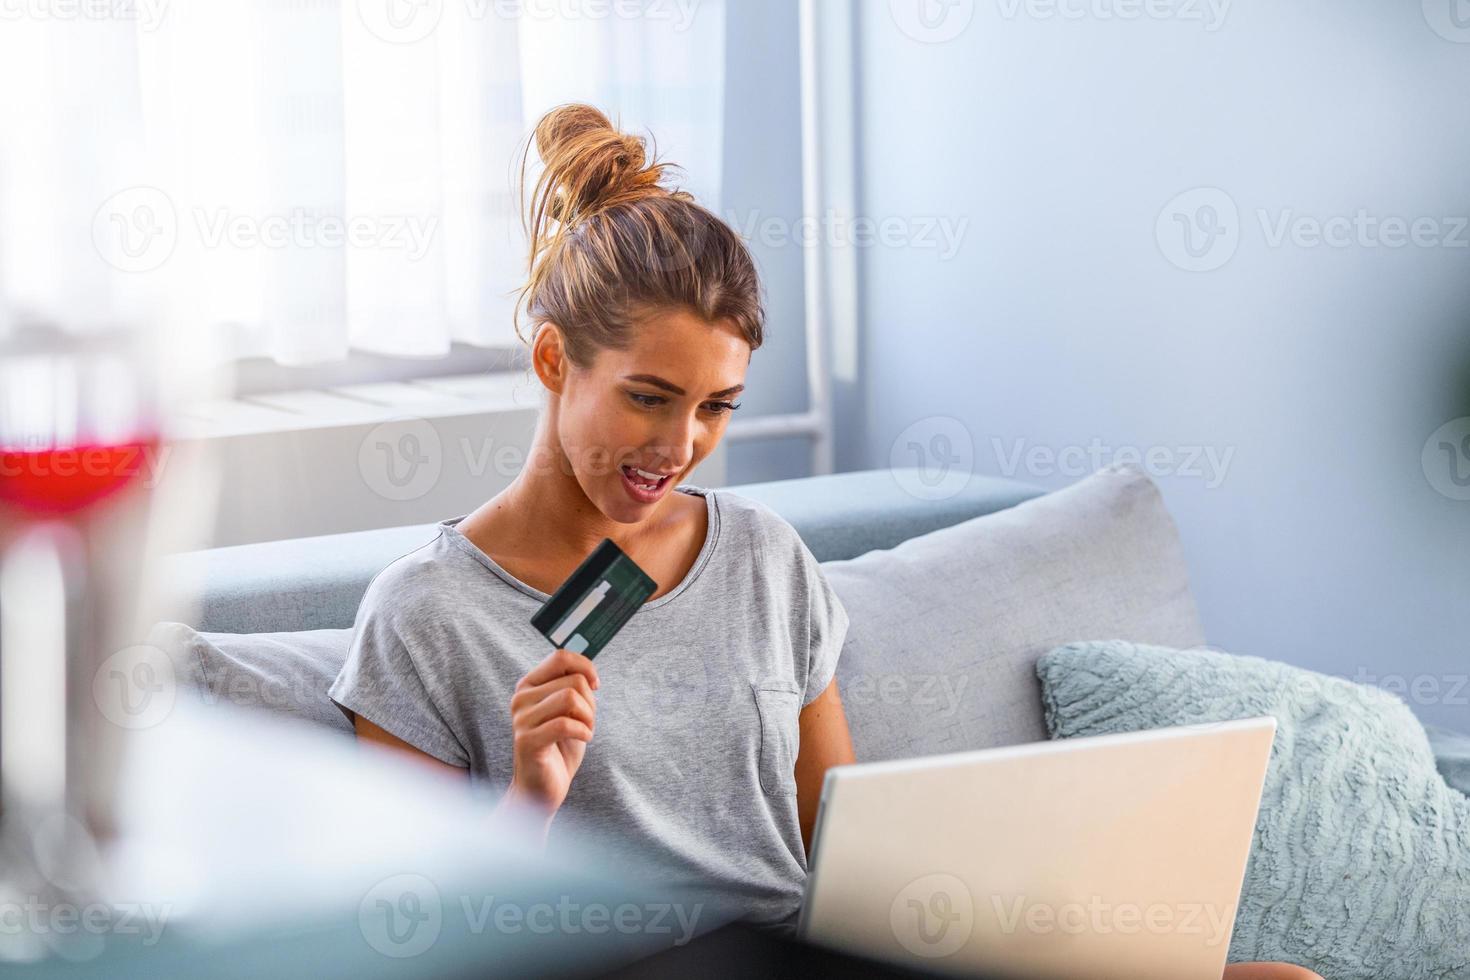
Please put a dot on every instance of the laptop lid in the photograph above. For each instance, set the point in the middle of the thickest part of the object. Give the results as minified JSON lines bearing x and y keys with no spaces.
{"x":1115,"y":856}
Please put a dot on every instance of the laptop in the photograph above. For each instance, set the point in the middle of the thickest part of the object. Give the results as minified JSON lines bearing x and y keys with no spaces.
{"x":1114,"y":856}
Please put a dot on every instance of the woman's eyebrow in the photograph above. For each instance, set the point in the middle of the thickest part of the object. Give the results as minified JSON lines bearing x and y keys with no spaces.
{"x":658,"y":382}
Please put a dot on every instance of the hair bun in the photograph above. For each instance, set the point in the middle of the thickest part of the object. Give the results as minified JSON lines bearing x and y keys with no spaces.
{"x":590,"y":164}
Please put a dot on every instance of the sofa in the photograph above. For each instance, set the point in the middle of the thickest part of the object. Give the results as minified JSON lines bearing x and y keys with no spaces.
{"x":953,"y":599}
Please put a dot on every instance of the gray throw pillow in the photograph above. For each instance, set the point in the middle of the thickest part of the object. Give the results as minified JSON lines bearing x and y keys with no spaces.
{"x":284,"y":673}
{"x":1360,"y":867}
{"x":945,"y":628}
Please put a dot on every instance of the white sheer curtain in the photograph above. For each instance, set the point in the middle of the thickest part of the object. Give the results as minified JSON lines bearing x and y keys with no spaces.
{"x":301,"y":178}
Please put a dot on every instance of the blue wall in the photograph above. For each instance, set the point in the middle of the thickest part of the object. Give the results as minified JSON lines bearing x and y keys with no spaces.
{"x":762,"y":188}
{"x":1070,"y":316}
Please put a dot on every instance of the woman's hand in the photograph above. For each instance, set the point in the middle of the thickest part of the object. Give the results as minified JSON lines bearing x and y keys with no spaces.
{"x":553,"y":713}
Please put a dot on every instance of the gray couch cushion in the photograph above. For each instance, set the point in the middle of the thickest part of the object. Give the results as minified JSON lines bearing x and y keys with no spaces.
{"x":284,"y":673}
{"x":945,"y":629}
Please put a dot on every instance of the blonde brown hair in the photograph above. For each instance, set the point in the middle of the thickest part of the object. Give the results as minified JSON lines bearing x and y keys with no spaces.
{"x":610,"y":244}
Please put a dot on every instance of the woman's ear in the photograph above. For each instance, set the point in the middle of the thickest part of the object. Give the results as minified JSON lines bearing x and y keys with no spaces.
{"x":549,"y":357}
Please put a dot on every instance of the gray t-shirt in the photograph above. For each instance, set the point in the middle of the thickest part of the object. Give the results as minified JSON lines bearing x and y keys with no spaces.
{"x":691,"y":762}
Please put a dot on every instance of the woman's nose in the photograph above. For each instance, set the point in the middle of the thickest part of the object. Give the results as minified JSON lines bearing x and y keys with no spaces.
{"x":676,"y":443}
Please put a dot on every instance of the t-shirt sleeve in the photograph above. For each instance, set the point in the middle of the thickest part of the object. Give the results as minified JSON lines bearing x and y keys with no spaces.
{"x":827,"y":629}
{"x":381,"y":681}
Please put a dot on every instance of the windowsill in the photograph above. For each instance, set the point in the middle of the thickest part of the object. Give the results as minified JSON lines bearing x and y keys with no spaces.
{"x":358,"y":404}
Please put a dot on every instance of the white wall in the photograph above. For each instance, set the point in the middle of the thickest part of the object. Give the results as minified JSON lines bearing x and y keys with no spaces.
{"x":1319,"y":372}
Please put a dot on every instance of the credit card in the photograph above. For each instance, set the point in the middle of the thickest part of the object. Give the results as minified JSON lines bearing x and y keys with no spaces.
{"x":595,"y":601}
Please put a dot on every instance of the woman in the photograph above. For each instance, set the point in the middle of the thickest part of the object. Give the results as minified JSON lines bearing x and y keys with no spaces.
{"x":720,"y":715}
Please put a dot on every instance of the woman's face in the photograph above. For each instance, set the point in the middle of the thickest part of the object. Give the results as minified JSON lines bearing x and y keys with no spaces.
{"x":661,"y":406}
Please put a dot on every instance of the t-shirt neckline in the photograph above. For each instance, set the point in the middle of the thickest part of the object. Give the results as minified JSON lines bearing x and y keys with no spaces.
{"x":450,"y":529}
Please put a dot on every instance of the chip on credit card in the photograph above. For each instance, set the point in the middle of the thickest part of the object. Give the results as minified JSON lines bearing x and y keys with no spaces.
{"x":595,"y":601}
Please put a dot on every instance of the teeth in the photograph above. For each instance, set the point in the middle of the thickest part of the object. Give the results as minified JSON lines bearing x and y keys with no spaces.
{"x":645,"y":486}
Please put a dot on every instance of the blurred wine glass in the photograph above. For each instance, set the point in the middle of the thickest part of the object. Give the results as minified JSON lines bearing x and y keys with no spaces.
{"x":79,"y":440}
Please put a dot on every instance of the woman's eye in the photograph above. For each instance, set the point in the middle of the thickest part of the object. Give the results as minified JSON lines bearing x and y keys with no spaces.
{"x":652,"y":401}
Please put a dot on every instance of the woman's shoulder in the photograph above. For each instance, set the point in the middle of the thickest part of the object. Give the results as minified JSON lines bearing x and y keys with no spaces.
{"x":757,"y":524}
{"x":415,"y":581}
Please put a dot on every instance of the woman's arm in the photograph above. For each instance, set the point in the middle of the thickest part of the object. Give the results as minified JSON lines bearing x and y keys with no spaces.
{"x":373,"y":735}
{"x":824,"y":742}
{"x":553,"y":713}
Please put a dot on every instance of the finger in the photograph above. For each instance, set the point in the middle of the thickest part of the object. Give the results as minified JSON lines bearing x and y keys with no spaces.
{"x":568,"y":701}
{"x":555,"y":730}
{"x":525,"y":697}
{"x":558,"y":663}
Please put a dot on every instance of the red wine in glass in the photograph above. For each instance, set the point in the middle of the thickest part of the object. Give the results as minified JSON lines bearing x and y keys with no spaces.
{"x":59,"y":480}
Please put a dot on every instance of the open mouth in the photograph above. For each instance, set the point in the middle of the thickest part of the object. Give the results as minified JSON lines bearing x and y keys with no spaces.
{"x":644,"y":484}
